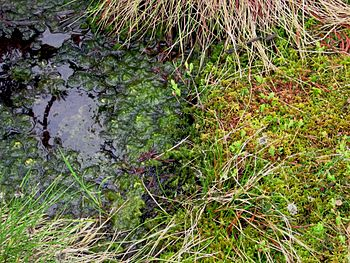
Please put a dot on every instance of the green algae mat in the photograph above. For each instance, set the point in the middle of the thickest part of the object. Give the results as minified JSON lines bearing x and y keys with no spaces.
{"x":62,"y":88}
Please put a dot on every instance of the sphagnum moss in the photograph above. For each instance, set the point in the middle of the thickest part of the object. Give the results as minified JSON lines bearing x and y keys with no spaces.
{"x":296,"y":120}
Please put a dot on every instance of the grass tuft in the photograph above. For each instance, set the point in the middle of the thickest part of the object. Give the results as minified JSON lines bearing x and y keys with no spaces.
{"x":242,"y":25}
{"x":28,"y":234}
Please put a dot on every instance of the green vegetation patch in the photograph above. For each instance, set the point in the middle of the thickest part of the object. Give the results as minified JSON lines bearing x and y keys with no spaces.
{"x":276,"y":160}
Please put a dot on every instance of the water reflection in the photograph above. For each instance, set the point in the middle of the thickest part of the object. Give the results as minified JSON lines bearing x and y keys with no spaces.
{"x":70,"y":120}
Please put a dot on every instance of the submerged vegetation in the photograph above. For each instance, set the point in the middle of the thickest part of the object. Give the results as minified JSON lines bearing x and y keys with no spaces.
{"x":263,"y":175}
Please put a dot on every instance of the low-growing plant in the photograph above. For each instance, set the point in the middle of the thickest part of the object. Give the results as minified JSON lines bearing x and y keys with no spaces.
{"x":290,"y":124}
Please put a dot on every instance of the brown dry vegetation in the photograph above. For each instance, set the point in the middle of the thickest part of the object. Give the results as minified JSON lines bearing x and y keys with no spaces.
{"x":241,"y":24}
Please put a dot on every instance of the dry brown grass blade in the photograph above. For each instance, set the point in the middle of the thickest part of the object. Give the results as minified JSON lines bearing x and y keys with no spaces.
{"x":73,"y":240}
{"x":331,"y":12}
{"x":204,"y":22}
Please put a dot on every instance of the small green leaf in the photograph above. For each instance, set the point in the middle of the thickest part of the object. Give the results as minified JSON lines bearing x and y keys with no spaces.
{"x":174,"y":86}
{"x":271,"y":95}
{"x":316,"y":91}
{"x":191,"y":67}
{"x":260,"y":79}
{"x":331,"y":177}
{"x":342,"y":239}
{"x":262,"y":107}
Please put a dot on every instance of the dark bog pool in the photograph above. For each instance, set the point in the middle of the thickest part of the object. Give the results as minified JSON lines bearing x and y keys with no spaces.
{"x":61,"y":87}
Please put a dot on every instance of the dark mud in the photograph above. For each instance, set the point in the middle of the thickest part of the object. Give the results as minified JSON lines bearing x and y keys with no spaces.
{"x":63,"y":87}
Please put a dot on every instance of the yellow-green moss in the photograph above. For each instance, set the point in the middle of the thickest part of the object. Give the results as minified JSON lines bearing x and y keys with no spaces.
{"x":298,"y":116}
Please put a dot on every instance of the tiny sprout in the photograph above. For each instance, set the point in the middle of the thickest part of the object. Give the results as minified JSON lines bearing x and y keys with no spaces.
{"x":189,"y":68}
{"x":174,"y":86}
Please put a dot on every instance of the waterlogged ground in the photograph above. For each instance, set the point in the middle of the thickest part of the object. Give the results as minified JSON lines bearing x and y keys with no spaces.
{"x":61,"y":87}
